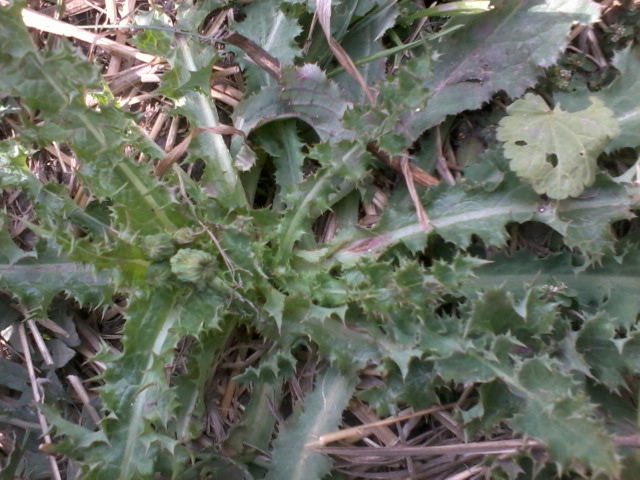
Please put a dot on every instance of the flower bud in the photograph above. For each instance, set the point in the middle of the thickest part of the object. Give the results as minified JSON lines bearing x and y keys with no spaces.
{"x":183,"y":236}
{"x":195,"y":266}
{"x":158,"y":247}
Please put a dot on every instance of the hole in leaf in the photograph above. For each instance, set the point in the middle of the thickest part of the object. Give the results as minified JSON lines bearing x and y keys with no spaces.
{"x":552,"y":158}
{"x":521,"y":143}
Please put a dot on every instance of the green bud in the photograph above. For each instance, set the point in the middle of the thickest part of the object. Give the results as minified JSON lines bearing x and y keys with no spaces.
{"x":158,"y":247}
{"x":194,"y":266}
{"x":183,"y":236}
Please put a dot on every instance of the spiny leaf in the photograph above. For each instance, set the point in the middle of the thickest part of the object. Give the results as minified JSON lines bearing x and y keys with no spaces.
{"x":269,"y":26}
{"x":136,"y":390}
{"x":15,"y":173}
{"x":399,"y":94}
{"x":554,"y":408}
{"x":610,"y":354}
{"x":188,"y":85}
{"x":611,"y":286}
{"x":586,"y":222}
{"x":10,"y":253}
{"x":481,"y":359}
{"x":76,"y":436}
{"x":556,"y":150}
{"x":98,"y":137}
{"x":133,"y":387}
{"x":292,"y":459}
{"x":304,"y":93}
{"x":276,"y":367}
{"x":336,"y":342}
{"x":257,"y":424}
{"x":496,"y":312}
{"x":456,"y":214}
{"x":41,"y":275}
{"x":495,"y":404}
{"x":563,"y":417}
{"x":280,"y":139}
{"x":155,"y":42}
{"x":455,"y":217}
{"x":16,"y":41}
{"x":345,"y":162}
{"x":501,"y":49}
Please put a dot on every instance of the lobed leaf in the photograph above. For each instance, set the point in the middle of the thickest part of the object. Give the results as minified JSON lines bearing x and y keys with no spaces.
{"x":555,"y":150}
{"x":188,"y":84}
{"x":304,"y":93}
{"x":281,"y":140}
{"x":269,"y":25}
{"x":456,"y":213}
{"x":563,"y":418}
{"x":610,"y":285}
{"x":586,"y":222}
{"x":42,"y":274}
{"x":136,"y":391}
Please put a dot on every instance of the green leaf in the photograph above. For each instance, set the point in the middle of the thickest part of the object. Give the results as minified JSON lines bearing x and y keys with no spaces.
{"x":55,"y":84}
{"x":304,"y":93}
{"x":586,"y":222}
{"x":457,"y":271}
{"x":501,"y":49}
{"x":15,"y":40}
{"x":336,"y":342}
{"x":468,"y":208}
{"x":345,"y":162}
{"x":133,"y":389}
{"x":495,"y":312}
{"x":12,"y":374}
{"x":292,"y":459}
{"x":258,"y":422}
{"x":556,"y":150}
{"x":281,"y":141}
{"x":156,"y":42}
{"x":596,"y":343}
{"x":465,"y":211}
{"x":188,"y":85}
{"x":620,"y":96}
{"x":35,"y":280}
{"x":189,"y":17}
{"x":363,"y":40}
{"x":76,"y":436}
{"x":268,"y":25}
{"x":456,"y":214}
{"x":276,"y":367}
{"x":563,"y":418}
{"x":136,"y":391}
{"x":10,"y":253}
{"x":496,"y":404}
{"x":550,"y":404}
{"x":612,"y":285}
